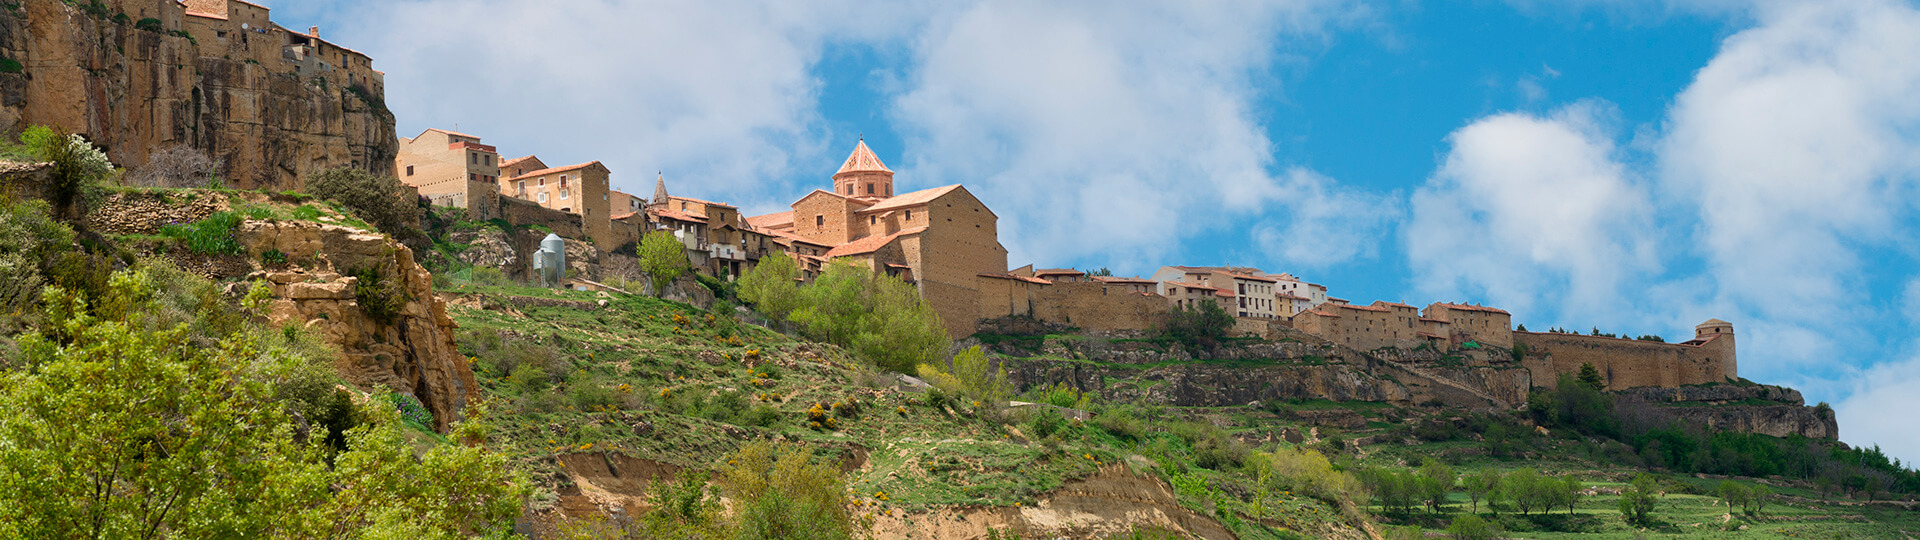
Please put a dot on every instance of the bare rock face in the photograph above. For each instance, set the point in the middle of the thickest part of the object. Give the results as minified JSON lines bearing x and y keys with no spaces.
{"x":146,"y":213}
{"x":1762,"y":409}
{"x":392,"y":331}
{"x":486,"y":247}
{"x":133,"y":91}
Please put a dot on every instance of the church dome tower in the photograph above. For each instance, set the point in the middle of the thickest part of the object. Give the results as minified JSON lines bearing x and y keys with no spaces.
{"x":863,"y":176}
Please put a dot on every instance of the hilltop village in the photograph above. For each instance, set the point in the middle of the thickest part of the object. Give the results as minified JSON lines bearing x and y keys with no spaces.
{"x":944,"y":241}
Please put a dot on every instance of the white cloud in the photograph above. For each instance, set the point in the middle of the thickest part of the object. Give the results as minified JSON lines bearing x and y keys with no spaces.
{"x":1800,"y":144}
{"x":1530,"y":212}
{"x":1103,"y":131}
{"x":1878,"y":410}
{"x":720,"y":95}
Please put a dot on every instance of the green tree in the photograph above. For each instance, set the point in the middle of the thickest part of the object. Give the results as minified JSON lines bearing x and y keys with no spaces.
{"x":1523,"y":488}
{"x":772,"y":287}
{"x":880,"y":318}
{"x":972,"y":375}
{"x":1638,"y":500}
{"x":1567,"y":492}
{"x":1435,"y":482}
{"x":663,"y":259}
{"x":1756,"y":500}
{"x":1732,"y":494}
{"x":1482,"y":486}
{"x":1590,"y":376}
{"x":125,"y":427}
{"x":1203,"y":325}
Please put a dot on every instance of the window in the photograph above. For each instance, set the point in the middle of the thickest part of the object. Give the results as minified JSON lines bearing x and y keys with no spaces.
{"x":869,"y":188}
{"x":471,"y":177}
{"x":820,"y":221}
{"x":522,"y":186}
{"x":909,"y":215}
{"x":849,"y":189}
{"x":473,"y":158}
{"x":543,"y":197}
{"x":543,"y":182}
{"x":873,"y":220}
{"x":563,"y":193}
{"x":409,"y":170}
{"x":563,"y":180}
{"x":489,"y":159}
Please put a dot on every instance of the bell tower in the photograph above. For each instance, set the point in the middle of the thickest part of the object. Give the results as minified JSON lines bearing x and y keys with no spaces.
{"x":863,"y":176}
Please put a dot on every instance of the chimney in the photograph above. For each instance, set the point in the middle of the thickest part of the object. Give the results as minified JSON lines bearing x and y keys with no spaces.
{"x":313,"y":31}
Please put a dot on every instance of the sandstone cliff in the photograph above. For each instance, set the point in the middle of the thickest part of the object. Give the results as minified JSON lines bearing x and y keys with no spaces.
{"x":364,"y":292}
{"x":134,"y":90}
{"x":1763,"y":409}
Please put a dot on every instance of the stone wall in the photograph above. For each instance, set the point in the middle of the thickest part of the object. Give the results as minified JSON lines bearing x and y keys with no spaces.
{"x":1623,"y":363}
{"x":147,"y":212}
{"x":526,"y":213}
{"x":1098,"y":307}
{"x":133,"y":91}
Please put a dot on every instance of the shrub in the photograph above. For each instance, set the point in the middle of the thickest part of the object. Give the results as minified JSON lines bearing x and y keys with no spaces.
{"x":210,"y":236}
{"x":1202,"y":326}
{"x":381,"y":299}
{"x":150,"y":24}
{"x":1121,"y":423}
{"x":306,"y":212}
{"x":771,"y":287}
{"x":1638,"y":500}
{"x":9,"y":65}
{"x":588,"y":394}
{"x":1047,"y":421}
{"x":780,"y":492}
{"x":374,"y":198}
{"x":882,"y":319}
{"x":176,"y":166}
{"x":1307,"y":472}
{"x":273,"y":257}
{"x":1471,"y":527}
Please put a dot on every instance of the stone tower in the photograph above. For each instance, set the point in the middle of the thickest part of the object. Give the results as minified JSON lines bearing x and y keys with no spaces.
{"x":1717,"y":335}
{"x":659,"y":191}
{"x":863,"y":176}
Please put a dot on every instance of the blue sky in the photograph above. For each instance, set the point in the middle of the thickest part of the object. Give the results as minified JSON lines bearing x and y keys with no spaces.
{"x":1639,"y":166}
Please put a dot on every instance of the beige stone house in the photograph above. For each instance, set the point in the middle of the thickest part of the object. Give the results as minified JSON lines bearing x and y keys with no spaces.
{"x":452,"y":169}
{"x":578,"y":189}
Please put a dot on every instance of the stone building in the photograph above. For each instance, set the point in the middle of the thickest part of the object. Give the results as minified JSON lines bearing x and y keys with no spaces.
{"x":452,"y":169}
{"x":1244,"y":292}
{"x":578,"y":189}
{"x":942,"y":239}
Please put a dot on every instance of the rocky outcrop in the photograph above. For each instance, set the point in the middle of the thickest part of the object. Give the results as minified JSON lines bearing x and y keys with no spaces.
{"x":134,"y":90}
{"x":1762,"y":409}
{"x":364,"y":293}
{"x":1109,"y":504}
{"x":1200,"y":384}
{"x":486,"y":247}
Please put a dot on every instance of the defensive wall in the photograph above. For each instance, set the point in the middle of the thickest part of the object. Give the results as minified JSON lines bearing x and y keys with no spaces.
{"x":1630,"y":363}
{"x":1089,"y":305}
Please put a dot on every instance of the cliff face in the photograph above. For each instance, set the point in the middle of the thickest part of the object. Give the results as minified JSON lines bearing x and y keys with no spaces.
{"x":365,"y":293}
{"x":1767,"y":410}
{"x":133,"y":91}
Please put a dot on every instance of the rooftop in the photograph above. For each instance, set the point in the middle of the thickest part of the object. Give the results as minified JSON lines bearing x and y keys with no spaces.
{"x":772,"y":220}
{"x":869,"y":244}
{"x":693,"y":200}
{"x":1111,"y":279}
{"x":1036,"y":281}
{"x":910,"y":199}
{"x":676,"y":214}
{"x":863,"y":160}
{"x":1468,"y":307}
{"x":543,"y":172}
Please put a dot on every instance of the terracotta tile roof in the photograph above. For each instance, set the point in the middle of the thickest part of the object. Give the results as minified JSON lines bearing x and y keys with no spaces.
{"x":863,"y":160}
{"x":1426,"y":335}
{"x":870,"y":244}
{"x":622,"y":216}
{"x":542,"y":172}
{"x":1111,"y":279}
{"x":1292,"y":296}
{"x":1193,"y":286}
{"x":453,"y":133}
{"x":1036,"y":281}
{"x":693,"y":200}
{"x":514,"y":161}
{"x":1251,"y":277}
{"x":1391,"y":304}
{"x":795,"y":238}
{"x":891,"y":265}
{"x":1364,"y":308}
{"x":772,"y":220}
{"x":1332,"y":299}
{"x":911,"y":199}
{"x":1466,"y":307}
{"x":1318,"y":312}
{"x":676,"y":214}
{"x":1058,"y":272}
{"x":1223,"y":293}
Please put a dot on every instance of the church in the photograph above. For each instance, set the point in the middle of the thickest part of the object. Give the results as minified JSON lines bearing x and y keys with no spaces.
{"x":941,"y":239}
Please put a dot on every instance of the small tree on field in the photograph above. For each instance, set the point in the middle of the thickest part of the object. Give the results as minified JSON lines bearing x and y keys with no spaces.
{"x":1482,"y":486}
{"x":1436,"y":481}
{"x":663,"y":259}
{"x":1637,"y":501}
{"x":772,"y":287}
